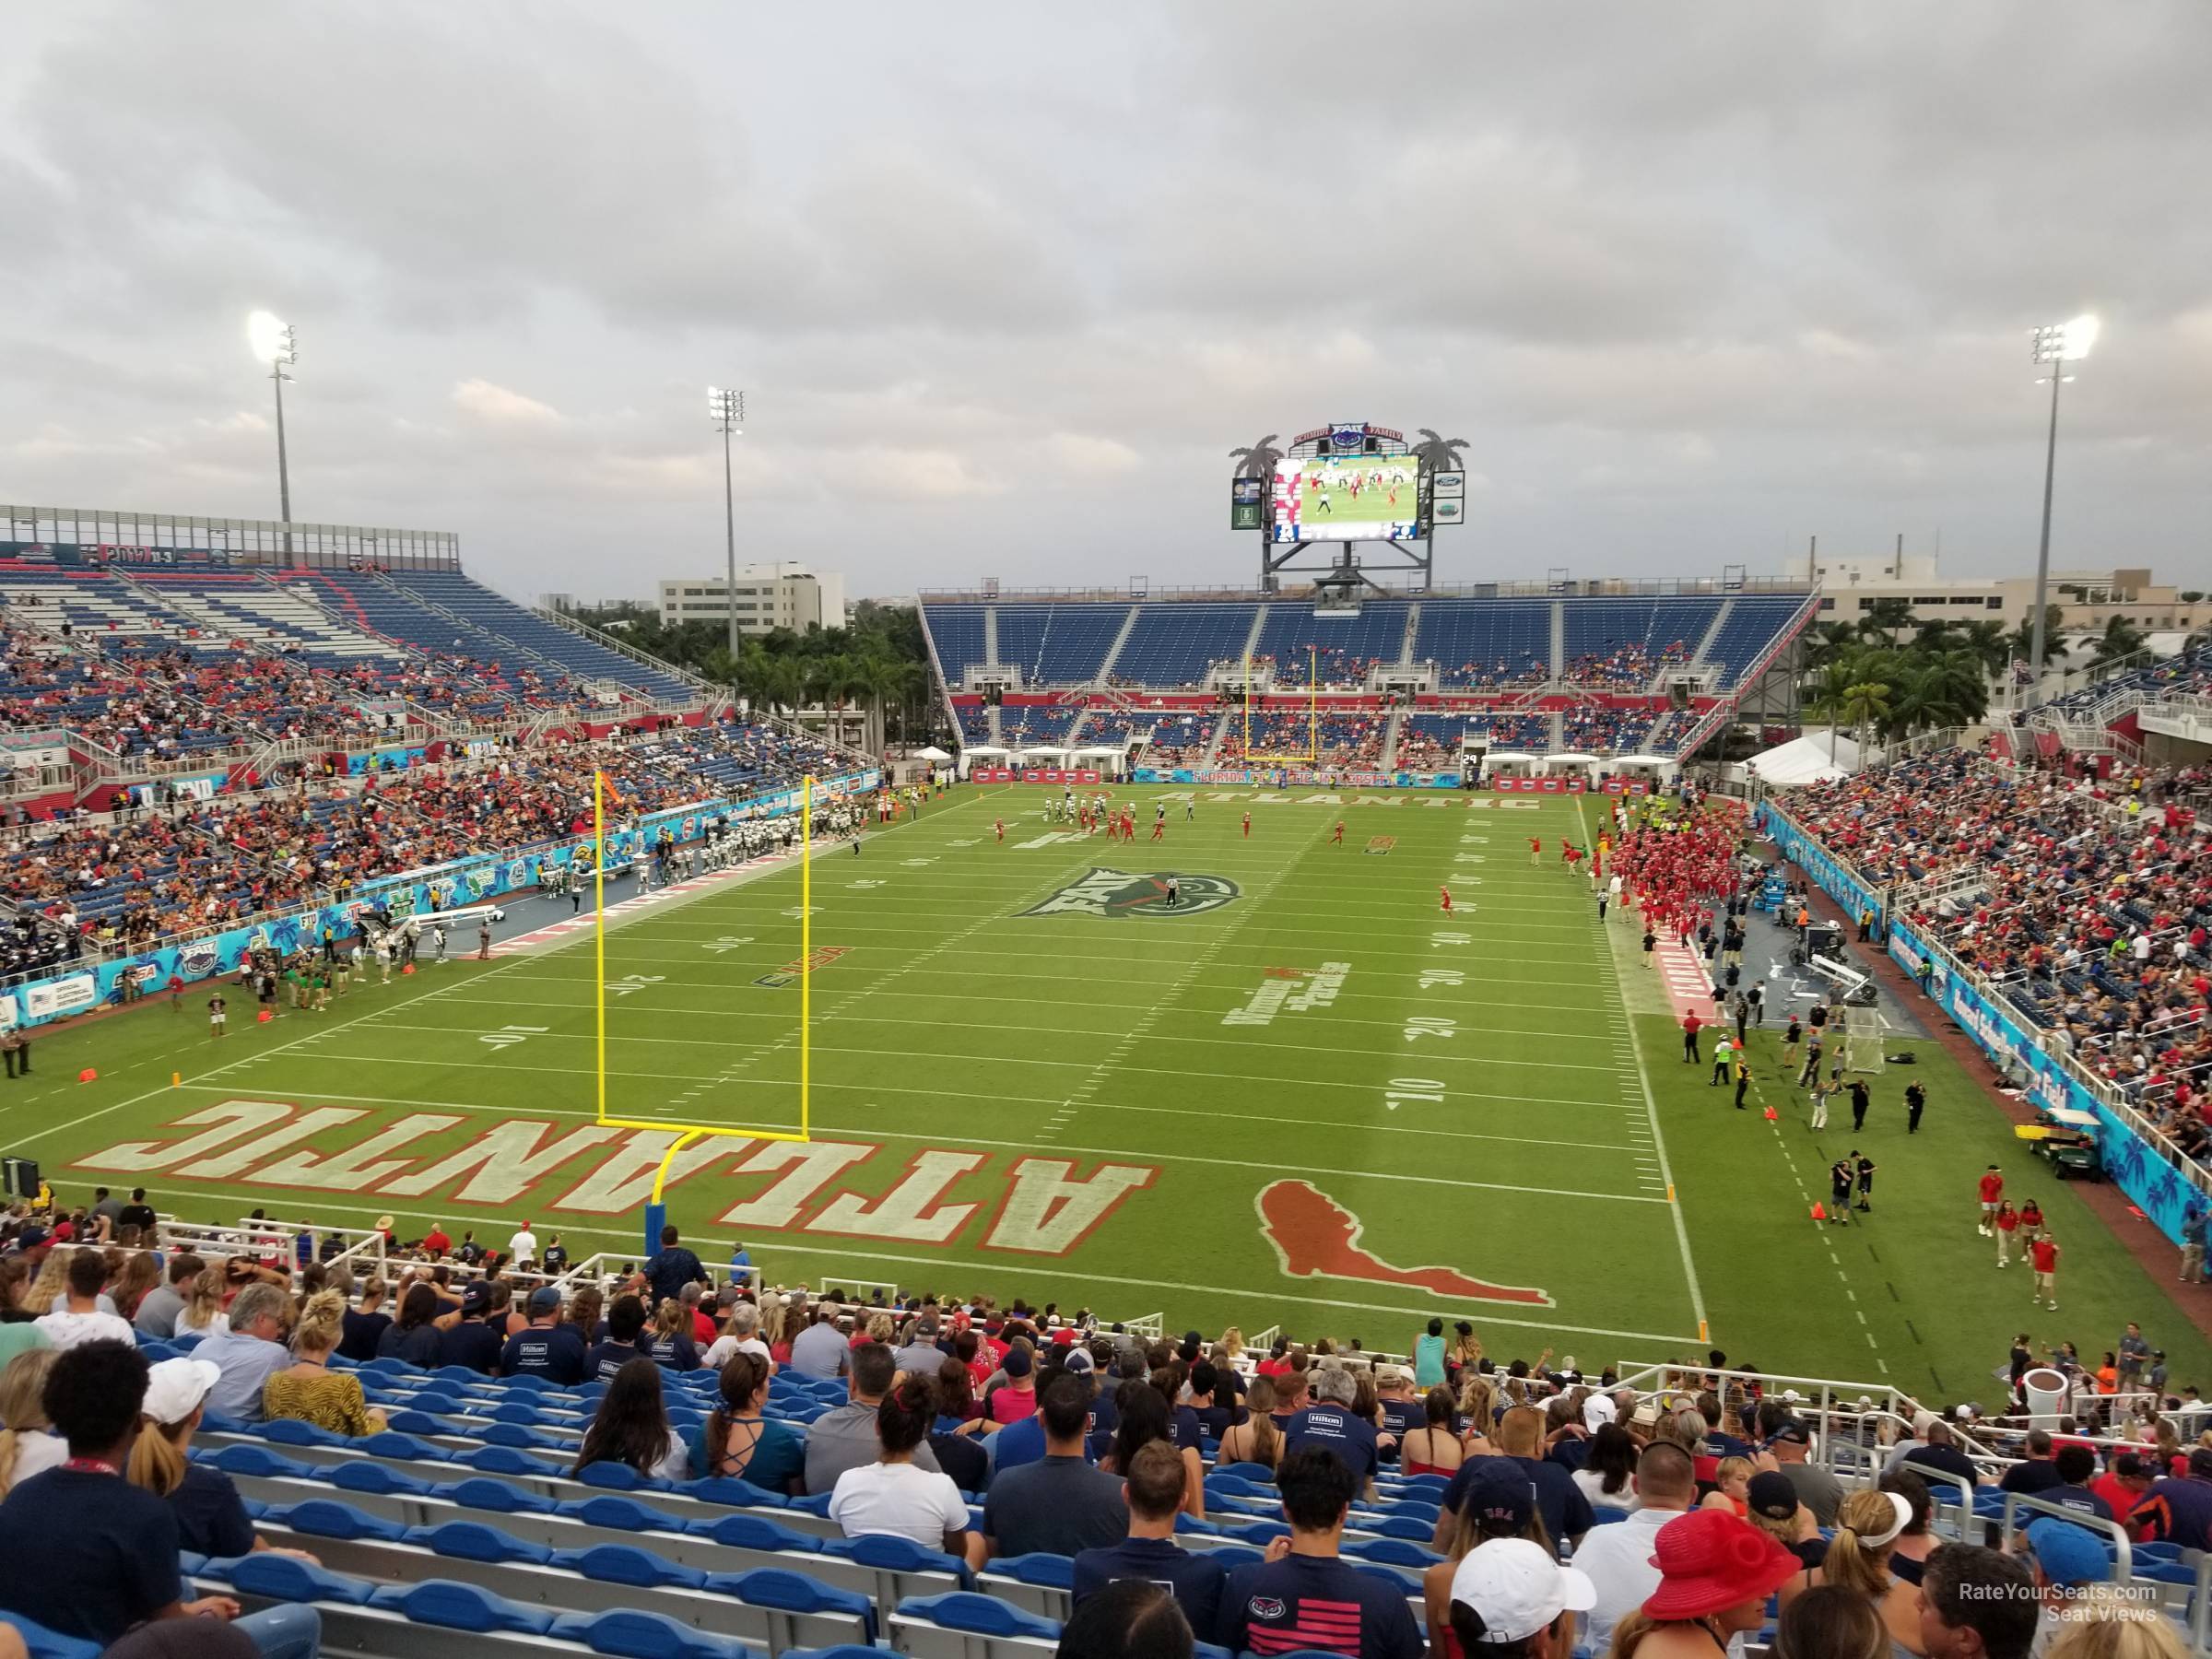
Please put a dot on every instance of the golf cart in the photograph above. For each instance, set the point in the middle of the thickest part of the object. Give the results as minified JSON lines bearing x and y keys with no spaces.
{"x":2068,"y":1139}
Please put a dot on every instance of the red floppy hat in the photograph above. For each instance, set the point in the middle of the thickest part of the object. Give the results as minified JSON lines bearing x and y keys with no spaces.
{"x":1709,"y":1560}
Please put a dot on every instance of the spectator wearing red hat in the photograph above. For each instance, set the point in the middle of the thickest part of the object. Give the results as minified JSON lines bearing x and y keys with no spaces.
{"x":1715,"y":1574}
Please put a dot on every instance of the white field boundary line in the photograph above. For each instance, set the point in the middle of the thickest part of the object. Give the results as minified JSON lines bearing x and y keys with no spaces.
{"x":1651,"y":1108}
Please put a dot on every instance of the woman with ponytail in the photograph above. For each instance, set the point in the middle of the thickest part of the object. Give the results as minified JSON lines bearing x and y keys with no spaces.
{"x":1868,"y":1524}
{"x":738,"y":1443}
{"x":891,"y":1495}
{"x":308,"y":1389}
{"x":211,"y":1518}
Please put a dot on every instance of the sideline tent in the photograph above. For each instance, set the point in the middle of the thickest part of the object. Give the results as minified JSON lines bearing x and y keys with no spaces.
{"x":932,"y":753}
{"x":1804,"y":760}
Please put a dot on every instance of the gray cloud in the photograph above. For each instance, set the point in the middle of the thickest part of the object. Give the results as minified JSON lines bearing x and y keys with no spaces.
{"x":1005,"y":286}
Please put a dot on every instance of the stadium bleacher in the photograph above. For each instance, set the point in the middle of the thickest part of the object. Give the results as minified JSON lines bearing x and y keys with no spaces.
{"x":468,"y":1520}
{"x":1486,"y":644}
{"x":1342,"y":648}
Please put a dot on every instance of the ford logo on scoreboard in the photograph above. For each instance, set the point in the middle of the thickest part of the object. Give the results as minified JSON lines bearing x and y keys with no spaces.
{"x":1351,"y":438}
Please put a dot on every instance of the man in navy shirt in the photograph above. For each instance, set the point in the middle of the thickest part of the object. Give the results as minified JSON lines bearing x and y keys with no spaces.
{"x":624,"y":1321}
{"x":1192,"y":1577}
{"x":90,"y":1555}
{"x":1566,"y":1512}
{"x":2180,"y":1512}
{"x":1210,"y":1409}
{"x":2076,"y":1465}
{"x":550,"y":1347}
{"x":672,"y":1269}
{"x":472,"y":1341}
{"x":1311,"y":1598}
{"x":1330,"y":1422}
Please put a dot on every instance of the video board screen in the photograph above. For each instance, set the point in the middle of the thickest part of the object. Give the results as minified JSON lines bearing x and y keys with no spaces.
{"x":1346,"y":498}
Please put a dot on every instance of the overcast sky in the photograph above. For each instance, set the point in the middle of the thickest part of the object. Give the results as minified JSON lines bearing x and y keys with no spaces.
{"x":1004,"y":284}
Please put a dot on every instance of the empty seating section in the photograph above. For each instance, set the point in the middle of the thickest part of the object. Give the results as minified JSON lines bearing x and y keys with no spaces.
{"x":1618,"y":644}
{"x":1754,"y":623}
{"x":1035,"y":724}
{"x":1058,"y":644}
{"x":957,"y":631}
{"x":506,"y":620}
{"x":226,"y":606}
{"x":92,"y":603}
{"x":1171,"y":646}
{"x":1484,"y":643}
{"x":1342,"y":648}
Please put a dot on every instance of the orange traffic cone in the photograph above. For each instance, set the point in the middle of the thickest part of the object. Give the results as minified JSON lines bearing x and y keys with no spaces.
{"x":1770,"y":1114}
{"x":88,"y":1076}
{"x":1819,"y":1213}
{"x":266,"y":1014}
{"x":407,"y":969}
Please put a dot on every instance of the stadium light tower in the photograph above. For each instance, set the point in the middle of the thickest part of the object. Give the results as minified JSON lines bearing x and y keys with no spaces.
{"x":727,"y":407}
{"x":275,"y":343}
{"x":2055,"y":344}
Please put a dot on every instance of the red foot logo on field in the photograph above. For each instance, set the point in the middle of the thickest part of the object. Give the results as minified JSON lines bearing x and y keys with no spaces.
{"x":1315,"y":1237}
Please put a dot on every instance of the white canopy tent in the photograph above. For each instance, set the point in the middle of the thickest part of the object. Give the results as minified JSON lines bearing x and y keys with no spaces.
{"x":1564,"y":763}
{"x":1802,"y":761}
{"x":1661,"y":770}
{"x":1510,"y":763}
{"x":932,"y":753}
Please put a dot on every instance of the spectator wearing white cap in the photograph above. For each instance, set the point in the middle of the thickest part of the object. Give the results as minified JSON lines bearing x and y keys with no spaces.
{"x":211,"y":1518}
{"x":1511,"y":1600}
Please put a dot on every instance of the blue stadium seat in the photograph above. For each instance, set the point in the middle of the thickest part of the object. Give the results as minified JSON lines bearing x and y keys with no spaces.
{"x":286,"y":1578}
{"x":327,"y":1518}
{"x":260,"y":1461}
{"x":473,"y":1541}
{"x":789,"y":1591}
{"x":459,"y":1607}
{"x":484,"y":1493}
{"x":503,"y":1460}
{"x":627,"y":1564}
{"x":372,"y":1477}
{"x":979,"y":1615}
{"x":742,"y":1494}
{"x":403,"y":1447}
{"x":44,"y":1643}
{"x":754,"y":1531}
{"x":1053,"y":1572}
{"x":894,"y":1554}
{"x":628,"y":1633}
{"x":619,"y":1514}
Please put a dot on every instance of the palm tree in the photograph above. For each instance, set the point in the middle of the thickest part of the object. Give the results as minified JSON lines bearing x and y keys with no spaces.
{"x":1934,"y":634}
{"x":1940,"y":688}
{"x":1438,"y":453}
{"x":1988,"y":643}
{"x":1830,"y":642}
{"x":2121,"y":639}
{"x":1826,"y":704}
{"x":1865,"y":704}
{"x":1258,"y":462}
{"x":2023,"y":637}
{"x":1884,"y":619}
{"x":882,"y":680}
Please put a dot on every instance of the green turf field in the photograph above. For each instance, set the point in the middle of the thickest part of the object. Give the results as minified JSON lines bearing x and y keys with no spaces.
{"x":1306,"y":1097}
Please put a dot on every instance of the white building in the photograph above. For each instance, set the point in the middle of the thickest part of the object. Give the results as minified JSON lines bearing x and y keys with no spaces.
{"x":1850,"y":585}
{"x":766,"y":596}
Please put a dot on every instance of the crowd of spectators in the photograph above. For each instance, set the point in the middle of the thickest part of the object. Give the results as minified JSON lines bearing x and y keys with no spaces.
{"x":146,"y":874}
{"x":2092,"y":908}
{"x":1685,"y":1505}
{"x":1625,"y":667}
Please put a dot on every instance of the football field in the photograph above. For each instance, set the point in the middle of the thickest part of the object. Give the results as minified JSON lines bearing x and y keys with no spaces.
{"x":1301,"y":1095}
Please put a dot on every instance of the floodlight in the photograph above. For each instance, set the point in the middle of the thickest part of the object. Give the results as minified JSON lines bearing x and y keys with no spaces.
{"x":2056,"y":344}
{"x":269,"y":338}
{"x":2065,"y":342}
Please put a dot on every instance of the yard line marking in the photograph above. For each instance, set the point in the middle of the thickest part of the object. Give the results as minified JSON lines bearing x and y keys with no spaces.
{"x":1651,"y":1108}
